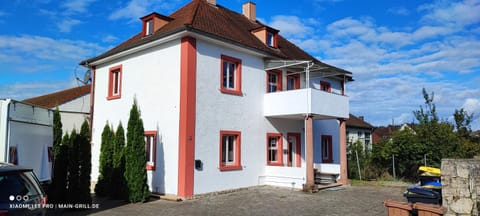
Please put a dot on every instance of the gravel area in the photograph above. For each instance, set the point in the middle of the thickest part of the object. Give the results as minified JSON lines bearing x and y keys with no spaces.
{"x":264,"y":200}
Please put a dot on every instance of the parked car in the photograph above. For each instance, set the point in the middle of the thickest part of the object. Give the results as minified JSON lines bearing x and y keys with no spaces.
{"x":20,"y":191}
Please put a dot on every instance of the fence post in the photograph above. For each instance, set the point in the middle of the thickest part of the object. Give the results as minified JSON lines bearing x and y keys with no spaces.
{"x":393,"y":164}
{"x":358,"y":166}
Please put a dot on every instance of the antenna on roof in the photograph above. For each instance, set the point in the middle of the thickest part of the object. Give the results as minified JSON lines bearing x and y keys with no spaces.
{"x":87,"y":77}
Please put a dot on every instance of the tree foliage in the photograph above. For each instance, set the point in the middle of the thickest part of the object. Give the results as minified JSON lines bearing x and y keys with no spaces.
{"x":85,"y":164}
{"x":118,"y":179}
{"x":135,"y":172}
{"x":428,"y":142}
{"x":103,"y":186}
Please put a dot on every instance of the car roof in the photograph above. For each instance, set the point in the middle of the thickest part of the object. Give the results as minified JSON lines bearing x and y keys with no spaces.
{"x":8,"y":167}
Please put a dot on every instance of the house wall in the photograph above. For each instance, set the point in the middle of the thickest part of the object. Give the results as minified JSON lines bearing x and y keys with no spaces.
{"x":218,"y":111}
{"x":152,"y":77}
{"x":74,"y":112}
{"x":360,"y":134}
{"x":336,"y":85}
{"x":326,"y":127}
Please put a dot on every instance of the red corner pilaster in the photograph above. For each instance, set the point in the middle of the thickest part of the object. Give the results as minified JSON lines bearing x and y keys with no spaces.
{"x":186,"y":140}
{"x":310,"y":184}
{"x":343,"y":152}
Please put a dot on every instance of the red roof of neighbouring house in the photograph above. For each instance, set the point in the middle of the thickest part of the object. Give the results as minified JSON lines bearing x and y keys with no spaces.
{"x":57,"y":98}
{"x":220,"y":23}
{"x":358,"y":122}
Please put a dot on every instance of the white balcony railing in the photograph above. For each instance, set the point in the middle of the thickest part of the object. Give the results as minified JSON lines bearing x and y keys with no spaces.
{"x":305,"y":101}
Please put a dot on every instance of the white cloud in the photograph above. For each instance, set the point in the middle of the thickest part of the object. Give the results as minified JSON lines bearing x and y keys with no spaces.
{"x":292,"y":26}
{"x":402,"y":11}
{"x":134,"y":10}
{"x":21,"y":91}
{"x":77,"y":6}
{"x":44,"y":52}
{"x":66,"y":25}
{"x":459,"y":14}
{"x":472,"y":105}
{"x":109,"y":39}
{"x":139,"y":8}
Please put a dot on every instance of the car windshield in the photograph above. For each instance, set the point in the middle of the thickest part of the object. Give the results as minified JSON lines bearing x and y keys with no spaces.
{"x":18,"y":184}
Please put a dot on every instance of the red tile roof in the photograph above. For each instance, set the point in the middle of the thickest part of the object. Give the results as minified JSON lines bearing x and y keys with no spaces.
{"x":57,"y":98}
{"x":358,"y":122}
{"x":217,"y":22}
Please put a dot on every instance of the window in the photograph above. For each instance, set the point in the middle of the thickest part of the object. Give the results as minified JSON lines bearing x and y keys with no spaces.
{"x":230,"y":150}
{"x":274,"y":149}
{"x":151,"y":149}
{"x":271,"y":39}
{"x":325,"y":86}
{"x":327,"y":149}
{"x":149,"y":27}
{"x":274,"y":81}
{"x":115,"y":82}
{"x":367,"y":138}
{"x":231,"y":75}
{"x":293,"y":81}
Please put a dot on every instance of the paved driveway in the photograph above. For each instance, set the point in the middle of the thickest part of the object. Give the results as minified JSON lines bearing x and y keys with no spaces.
{"x":265,"y":200}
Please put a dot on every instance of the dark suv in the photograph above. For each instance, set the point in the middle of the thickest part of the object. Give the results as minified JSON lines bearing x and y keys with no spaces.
{"x":20,"y":191}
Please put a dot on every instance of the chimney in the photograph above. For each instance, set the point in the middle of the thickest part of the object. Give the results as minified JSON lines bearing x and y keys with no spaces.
{"x":212,"y":2}
{"x":361,"y":117}
{"x":248,"y":10}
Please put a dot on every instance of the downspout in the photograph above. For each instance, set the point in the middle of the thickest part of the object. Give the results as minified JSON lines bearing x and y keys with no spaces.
{"x":7,"y":128}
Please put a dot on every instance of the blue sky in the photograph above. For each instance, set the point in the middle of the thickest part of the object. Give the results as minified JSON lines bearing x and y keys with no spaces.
{"x":394,"y":48}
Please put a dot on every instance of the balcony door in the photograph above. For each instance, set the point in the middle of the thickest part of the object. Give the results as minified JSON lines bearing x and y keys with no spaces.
{"x":293,"y":153}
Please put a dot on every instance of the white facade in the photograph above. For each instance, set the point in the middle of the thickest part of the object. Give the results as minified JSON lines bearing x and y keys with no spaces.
{"x":74,"y":112}
{"x":25,"y":135}
{"x":362,"y":135}
{"x":152,"y":76}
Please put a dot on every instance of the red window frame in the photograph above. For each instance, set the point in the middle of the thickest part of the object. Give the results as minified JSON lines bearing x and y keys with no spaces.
{"x":236,"y":164}
{"x":327,"y":151}
{"x":278,"y":74}
{"x":279,"y":149}
{"x":114,"y":82}
{"x":237,"y":82}
{"x":325,"y":86}
{"x":296,"y":81}
{"x":151,"y":145}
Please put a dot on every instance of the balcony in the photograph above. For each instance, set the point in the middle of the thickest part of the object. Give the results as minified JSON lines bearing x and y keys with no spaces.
{"x":297,"y":103}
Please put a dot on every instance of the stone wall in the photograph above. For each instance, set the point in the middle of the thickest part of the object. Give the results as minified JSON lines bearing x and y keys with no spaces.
{"x":461,"y":186}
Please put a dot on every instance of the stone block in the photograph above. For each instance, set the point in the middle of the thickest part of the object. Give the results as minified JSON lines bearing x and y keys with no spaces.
{"x":462,"y":206}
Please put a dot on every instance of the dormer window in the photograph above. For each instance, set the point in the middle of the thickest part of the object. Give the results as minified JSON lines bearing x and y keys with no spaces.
{"x":153,"y":22}
{"x":267,"y":35}
{"x":149,"y":27}
{"x":271,"y":39}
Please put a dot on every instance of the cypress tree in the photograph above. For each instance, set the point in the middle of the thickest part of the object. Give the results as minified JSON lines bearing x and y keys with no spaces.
{"x":58,"y":189}
{"x":118,"y":180}
{"x":57,"y":141}
{"x":84,"y":154}
{"x":73,"y":168}
{"x":103,"y":186}
{"x":135,"y":172}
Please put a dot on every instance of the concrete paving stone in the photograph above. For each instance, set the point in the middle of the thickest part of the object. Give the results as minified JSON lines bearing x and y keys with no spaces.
{"x":263,"y":200}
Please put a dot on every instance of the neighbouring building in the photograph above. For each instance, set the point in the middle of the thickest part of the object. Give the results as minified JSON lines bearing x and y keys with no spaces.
{"x":358,"y":130}
{"x":226,"y":102}
{"x":385,"y":132}
{"x":73,"y":104}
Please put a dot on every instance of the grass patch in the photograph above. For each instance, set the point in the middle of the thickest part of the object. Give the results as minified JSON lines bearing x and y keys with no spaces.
{"x":399,"y":183}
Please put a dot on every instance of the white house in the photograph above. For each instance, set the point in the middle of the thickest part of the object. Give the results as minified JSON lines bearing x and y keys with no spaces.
{"x":358,"y":130}
{"x":73,"y":104}
{"x":226,"y":102}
